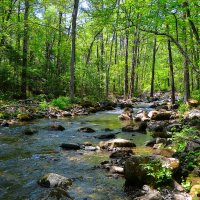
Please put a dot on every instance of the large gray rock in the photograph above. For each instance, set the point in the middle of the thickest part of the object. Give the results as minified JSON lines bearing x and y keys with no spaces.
{"x":115,"y":143}
{"x":53,"y":180}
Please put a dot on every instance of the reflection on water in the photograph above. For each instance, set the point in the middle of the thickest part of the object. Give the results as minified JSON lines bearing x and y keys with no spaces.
{"x":24,"y":159}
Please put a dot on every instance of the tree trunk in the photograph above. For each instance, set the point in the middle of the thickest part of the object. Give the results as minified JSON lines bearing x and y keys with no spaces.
{"x":126,"y":68}
{"x":134,"y":61}
{"x":171,"y":73}
{"x":73,"y":50}
{"x":153,"y":68}
{"x":109,"y":64}
{"x":186,"y":65}
{"x":25,"y":52}
{"x":59,"y":43}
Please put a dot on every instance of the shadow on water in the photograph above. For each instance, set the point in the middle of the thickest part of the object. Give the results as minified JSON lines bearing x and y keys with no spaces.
{"x":24,"y":159}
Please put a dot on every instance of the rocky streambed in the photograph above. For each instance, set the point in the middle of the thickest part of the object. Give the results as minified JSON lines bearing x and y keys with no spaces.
{"x":86,"y":157}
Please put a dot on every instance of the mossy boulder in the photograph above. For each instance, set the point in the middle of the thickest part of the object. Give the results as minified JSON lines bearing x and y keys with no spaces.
{"x":24,"y":117}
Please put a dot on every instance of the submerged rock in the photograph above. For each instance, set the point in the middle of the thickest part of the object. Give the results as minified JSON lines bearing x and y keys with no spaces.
{"x":115,"y":143}
{"x":53,"y":180}
{"x":57,"y":127}
{"x":29,"y":131}
{"x":70,"y":146}
{"x":107,"y":136}
{"x":107,"y":129}
{"x":86,"y":130}
{"x":58,"y":193}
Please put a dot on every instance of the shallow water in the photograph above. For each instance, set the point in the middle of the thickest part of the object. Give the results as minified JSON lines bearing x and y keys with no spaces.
{"x":24,"y":159}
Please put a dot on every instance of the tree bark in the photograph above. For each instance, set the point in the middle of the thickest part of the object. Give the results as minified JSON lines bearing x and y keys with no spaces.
{"x":73,"y":50}
{"x":109,"y":64}
{"x":171,"y":73}
{"x":59,"y":44}
{"x":186,"y":66}
{"x":153,"y":68}
{"x":126,"y":67}
{"x":134,"y":61}
{"x":25,"y":52}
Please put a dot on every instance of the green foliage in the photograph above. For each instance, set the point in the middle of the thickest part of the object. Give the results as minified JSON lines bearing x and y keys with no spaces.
{"x":161,"y":174}
{"x":180,"y":138}
{"x":186,"y":185}
{"x":196,"y":94}
{"x":43,"y":105}
{"x":4,"y":115}
{"x":183,"y":108}
{"x":193,"y":160}
{"x":61,"y":102}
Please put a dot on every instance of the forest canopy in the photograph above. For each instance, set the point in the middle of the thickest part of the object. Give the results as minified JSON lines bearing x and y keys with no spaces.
{"x":98,"y":48}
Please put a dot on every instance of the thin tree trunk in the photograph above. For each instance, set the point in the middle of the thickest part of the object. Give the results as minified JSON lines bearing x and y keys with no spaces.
{"x":109,"y":64}
{"x":25,"y":52}
{"x":126,"y":67}
{"x":73,"y":50}
{"x":186,"y":65}
{"x":171,"y":73}
{"x":134,"y":61}
{"x":153,"y":68}
{"x":58,"y":64}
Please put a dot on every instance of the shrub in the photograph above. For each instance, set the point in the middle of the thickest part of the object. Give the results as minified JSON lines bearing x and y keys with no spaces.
{"x":61,"y":102}
{"x":196,"y":95}
{"x":161,"y":174}
{"x":183,"y":108}
{"x":43,"y":105}
{"x":180,"y":138}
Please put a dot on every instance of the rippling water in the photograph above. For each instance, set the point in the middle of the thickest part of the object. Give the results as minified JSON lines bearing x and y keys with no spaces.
{"x":24,"y":159}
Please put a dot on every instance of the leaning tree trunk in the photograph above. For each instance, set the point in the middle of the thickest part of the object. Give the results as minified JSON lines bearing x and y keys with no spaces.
{"x":25,"y":52}
{"x":153,"y":68}
{"x":73,"y":50}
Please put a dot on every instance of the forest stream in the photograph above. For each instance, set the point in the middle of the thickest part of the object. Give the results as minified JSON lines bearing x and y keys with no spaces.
{"x":26,"y":158}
